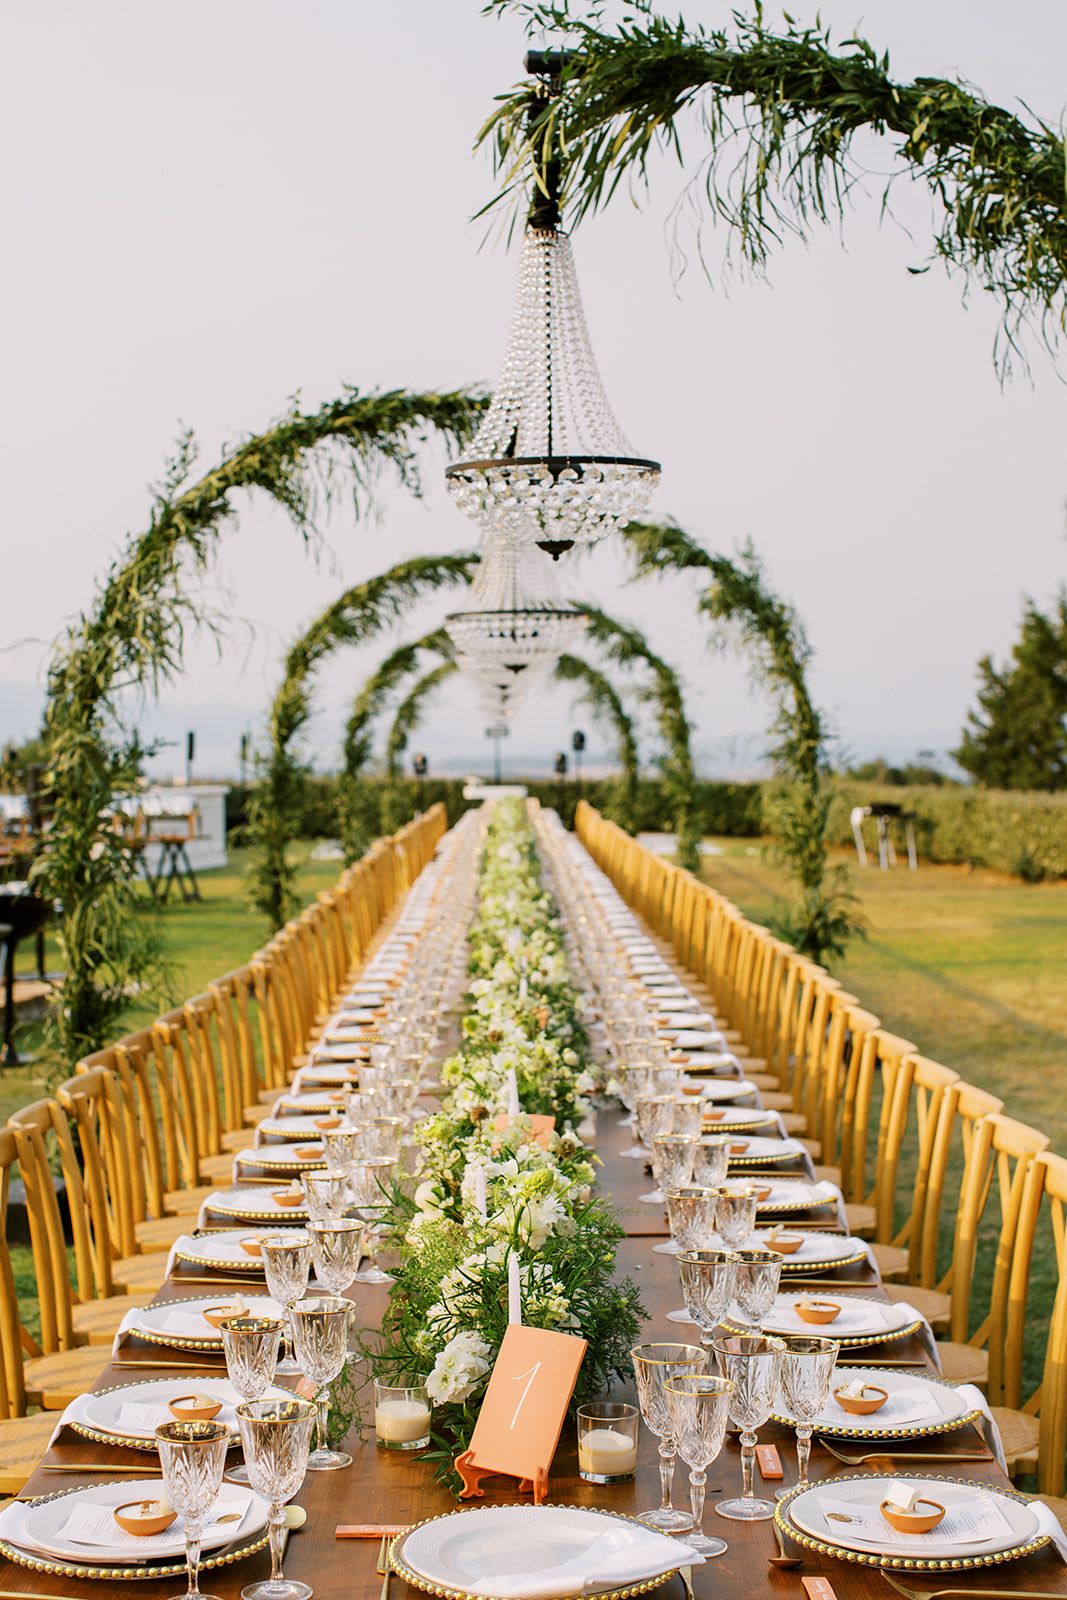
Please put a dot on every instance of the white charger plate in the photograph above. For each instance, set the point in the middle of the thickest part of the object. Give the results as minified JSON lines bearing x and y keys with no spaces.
{"x":101,"y":1418}
{"x":766,"y":1152}
{"x":947,"y":1409}
{"x":255,"y":1204}
{"x":297,"y":1129}
{"x":151,"y":1321}
{"x":720,"y":1090}
{"x":45,"y":1521}
{"x":799,"y":1196}
{"x":223,"y":1249}
{"x":741,"y":1118}
{"x":453,"y":1552}
{"x":819,"y":1251}
{"x":799,"y":1515}
{"x":862,"y":1321}
{"x":282,"y":1157}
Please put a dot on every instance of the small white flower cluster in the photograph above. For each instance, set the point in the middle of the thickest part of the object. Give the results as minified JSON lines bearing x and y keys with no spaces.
{"x":459,"y":1368}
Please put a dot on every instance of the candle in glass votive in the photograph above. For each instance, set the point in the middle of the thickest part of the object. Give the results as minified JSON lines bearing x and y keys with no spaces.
{"x":607,"y":1442}
{"x":401,"y":1416}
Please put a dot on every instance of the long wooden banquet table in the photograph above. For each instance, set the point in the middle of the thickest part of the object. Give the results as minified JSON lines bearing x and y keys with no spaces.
{"x":392,"y":1487}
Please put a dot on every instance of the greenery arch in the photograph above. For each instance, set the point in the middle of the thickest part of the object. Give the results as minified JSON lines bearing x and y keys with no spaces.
{"x":780,"y":112}
{"x":132,"y":638}
{"x":409,"y":711}
{"x":605,"y":704}
{"x":359,"y":613}
{"x":740,"y":605}
{"x":628,"y":647}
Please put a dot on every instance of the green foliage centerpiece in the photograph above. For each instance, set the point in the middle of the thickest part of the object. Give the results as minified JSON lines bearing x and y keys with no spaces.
{"x":483,"y":1193}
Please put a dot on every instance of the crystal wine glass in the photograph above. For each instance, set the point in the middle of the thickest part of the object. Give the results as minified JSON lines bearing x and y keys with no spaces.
{"x":700,"y":1408}
{"x":753,"y":1365}
{"x":250,"y":1345}
{"x":807,"y":1372}
{"x":654,"y":1364}
{"x":335,"y":1249}
{"x":320,"y":1334}
{"x":192,"y":1456}
{"x":672,"y":1167}
{"x":326,"y":1193}
{"x":711,"y":1161}
{"x":286,"y":1261}
{"x":708,"y":1285}
{"x":756,"y":1283}
{"x":735,"y":1214}
{"x":276,"y":1435}
{"x":691,"y":1214}
{"x":372,"y":1202}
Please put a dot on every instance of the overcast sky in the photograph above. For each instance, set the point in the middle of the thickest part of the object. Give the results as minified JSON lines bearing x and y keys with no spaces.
{"x":211,"y":205}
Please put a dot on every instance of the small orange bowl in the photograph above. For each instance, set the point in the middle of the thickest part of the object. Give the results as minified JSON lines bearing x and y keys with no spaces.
{"x":739,"y":1149}
{"x":338,"y":1099}
{"x":818,"y":1311}
{"x":134,"y":1517}
{"x":327,"y":1122}
{"x":861,"y":1405}
{"x":308,"y":1152}
{"x":786,"y":1244}
{"x":913,"y":1521}
{"x":763,"y":1194}
{"x":714,"y":1116}
{"x":195,"y":1407}
{"x":285,"y":1197}
{"x":252,"y":1245}
{"x":216,"y":1315}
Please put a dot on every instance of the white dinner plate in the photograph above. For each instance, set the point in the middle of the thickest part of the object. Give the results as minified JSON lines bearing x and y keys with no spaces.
{"x":531,"y":1551}
{"x":944,"y":1408}
{"x":764,"y":1152}
{"x":45,"y":1523}
{"x":819,"y":1251}
{"x":801,"y":1511}
{"x":721,"y":1090}
{"x":747,"y":1117}
{"x":254,"y":1205}
{"x":283,"y":1157}
{"x":703,"y":1038}
{"x":861,"y":1321}
{"x":102,"y":1418}
{"x":788,"y":1196}
{"x":181,"y":1323}
{"x":223,"y":1249}
{"x":297,"y":1129}
{"x":327,"y":1064}
{"x":315,"y":1102}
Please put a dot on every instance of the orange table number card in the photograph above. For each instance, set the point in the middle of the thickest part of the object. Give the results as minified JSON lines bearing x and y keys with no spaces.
{"x":542,"y":1126}
{"x":521,"y":1419}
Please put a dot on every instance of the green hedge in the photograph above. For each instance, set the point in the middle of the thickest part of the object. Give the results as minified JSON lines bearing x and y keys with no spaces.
{"x":1017,"y":832}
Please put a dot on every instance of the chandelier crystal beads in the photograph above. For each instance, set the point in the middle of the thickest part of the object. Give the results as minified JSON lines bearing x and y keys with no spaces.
{"x":549,"y":464}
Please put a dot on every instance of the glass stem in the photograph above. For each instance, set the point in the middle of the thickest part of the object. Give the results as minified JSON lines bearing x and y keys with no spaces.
{"x":277,"y":1540}
{"x":803,"y":1452}
{"x":748,"y":1459}
{"x":322,"y":1402}
{"x":666,"y":1472}
{"x":192,"y":1556}
{"x":697,"y":1480}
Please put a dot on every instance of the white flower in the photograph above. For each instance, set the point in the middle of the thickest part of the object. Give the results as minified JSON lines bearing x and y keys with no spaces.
{"x":457,"y":1370}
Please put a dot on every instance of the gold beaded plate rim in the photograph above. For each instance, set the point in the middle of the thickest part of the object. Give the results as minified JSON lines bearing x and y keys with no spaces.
{"x":140,"y":1441}
{"x":143,"y":1569}
{"x":226,"y":1263}
{"x":823,"y":1330}
{"x":245,"y":1214}
{"x":259,"y":1157}
{"x":747,"y":1124}
{"x":184,"y":1341}
{"x":416,"y":1579}
{"x":873,"y":1558}
{"x":903,"y":1430}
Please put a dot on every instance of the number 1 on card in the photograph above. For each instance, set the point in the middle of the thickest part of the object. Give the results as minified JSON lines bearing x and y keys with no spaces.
{"x":530,"y":1376}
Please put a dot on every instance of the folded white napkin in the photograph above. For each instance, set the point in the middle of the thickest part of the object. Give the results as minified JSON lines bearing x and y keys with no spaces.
{"x":622,"y":1555}
{"x":182,"y":1242}
{"x":924,"y":1333}
{"x":129,"y":1321}
{"x":1047,"y":1522}
{"x":974,"y":1397}
{"x":75,"y":1412}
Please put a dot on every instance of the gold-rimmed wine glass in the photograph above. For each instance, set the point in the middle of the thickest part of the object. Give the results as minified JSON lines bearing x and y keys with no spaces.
{"x":286,"y":1261}
{"x":250,"y":1345}
{"x":753,"y":1365}
{"x":807,"y":1373}
{"x":699,"y":1406}
{"x":654,"y":1364}
{"x":320,"y":1336}
{"x":192,"y":1456}
{"x":276,"y":1435}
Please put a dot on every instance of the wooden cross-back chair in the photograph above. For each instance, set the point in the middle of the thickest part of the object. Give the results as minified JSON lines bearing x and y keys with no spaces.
{"x":847,"y":1112}
{"x":69,"y":1355}
{"x":23,"y":1439}
{"x":234,"y":997}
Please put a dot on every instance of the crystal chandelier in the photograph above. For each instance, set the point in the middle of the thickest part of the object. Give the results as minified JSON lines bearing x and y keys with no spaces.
{"x":549,"y":464}
{"x":517,"y":623}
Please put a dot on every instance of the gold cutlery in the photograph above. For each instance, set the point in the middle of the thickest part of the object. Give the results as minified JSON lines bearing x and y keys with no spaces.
{"x":180,"y":1366}
{"x":686,"y":1575}
{"x":385,"y":1567}
{"x":782,"y":1560}
{"x":975,"y":1592}
{"x":904,"y":1455}
{"x":77,"y":1466}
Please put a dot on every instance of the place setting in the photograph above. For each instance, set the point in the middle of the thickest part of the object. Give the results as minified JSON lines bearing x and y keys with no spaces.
{"x":194,"y":1323}
{"x":848,"y":1320}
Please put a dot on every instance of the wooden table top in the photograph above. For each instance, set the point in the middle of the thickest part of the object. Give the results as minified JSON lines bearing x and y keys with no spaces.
{"x":396,"y":1487}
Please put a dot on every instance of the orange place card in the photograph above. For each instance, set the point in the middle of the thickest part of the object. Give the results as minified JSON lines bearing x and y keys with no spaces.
{"x":770,"y":1462}
{"x":521,"y":1419}
{"x":819,"y":1588}
{"x":542,"y":1126}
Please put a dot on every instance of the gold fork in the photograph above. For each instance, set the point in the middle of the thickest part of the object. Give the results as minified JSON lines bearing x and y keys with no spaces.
{"x":902,"y":1455}
{"x":973,"y":1593}
{"x":385,"y":1566}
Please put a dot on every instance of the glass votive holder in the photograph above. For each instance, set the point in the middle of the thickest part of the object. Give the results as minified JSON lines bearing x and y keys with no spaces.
{"x":401,"y":1415}
{"x":607,"y":1442}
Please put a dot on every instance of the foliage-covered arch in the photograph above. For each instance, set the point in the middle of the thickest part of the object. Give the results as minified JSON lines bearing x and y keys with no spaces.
{"x":133,"y":636}
{"x":624,"y":644}
{"x":605,"y":704}
{"x":358,"y":614}
{"x":409,"y":713}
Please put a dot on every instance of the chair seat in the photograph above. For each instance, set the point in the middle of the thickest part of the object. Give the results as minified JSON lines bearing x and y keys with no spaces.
{"x":179,"y":1202}
{"x":219,"y":1169}
{"x":775,"y":1100}
{"x":962,"y":1363}
{"x":254,"y":1114}
{"x":238,"y":1138}
{"x":828,"y":1175}
{"x":795,"y":1121}
{"x":1019,"y":1436}
{"x":23,"y":1441}
{"x":813,"y":1147}
{"x":98,"y":1320}
{"x":935,"y":1306}
{"x":860,"y":1219}
{"x":766,"y":1083}
{"x":55,"y":1380}
{"x":159,"y":1233}
{"x":892,"y":1262}
{"x":140,"y":1274}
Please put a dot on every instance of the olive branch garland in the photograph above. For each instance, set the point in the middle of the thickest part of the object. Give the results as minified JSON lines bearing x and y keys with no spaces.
{"x":606,"y":705}
{"x":778,"y":113}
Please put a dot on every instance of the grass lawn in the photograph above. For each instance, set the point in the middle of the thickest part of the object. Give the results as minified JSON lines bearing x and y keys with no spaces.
{"x":969,"y":965}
